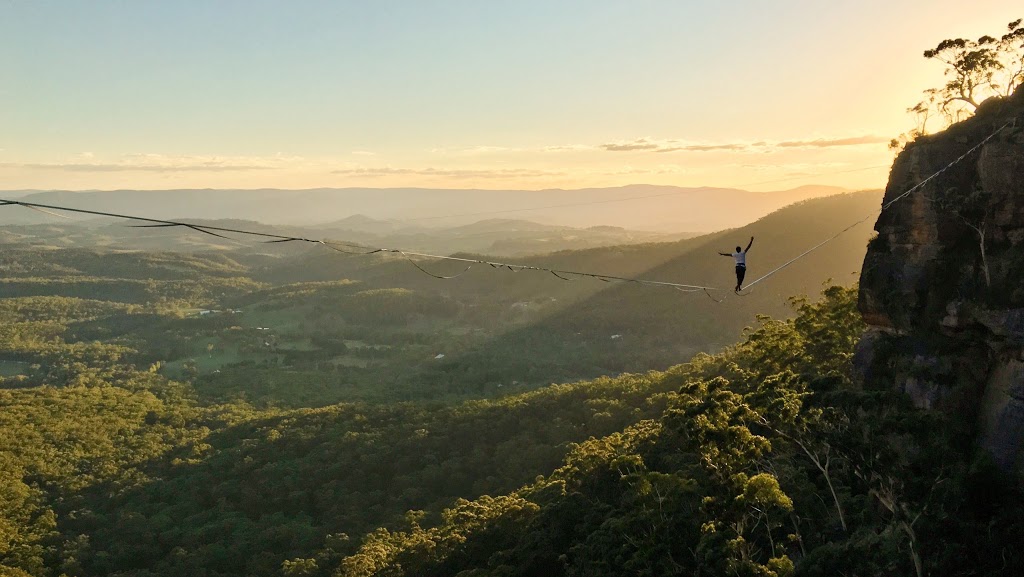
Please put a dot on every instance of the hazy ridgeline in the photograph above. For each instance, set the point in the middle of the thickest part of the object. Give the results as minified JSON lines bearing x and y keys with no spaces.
{"x":418,"y":210}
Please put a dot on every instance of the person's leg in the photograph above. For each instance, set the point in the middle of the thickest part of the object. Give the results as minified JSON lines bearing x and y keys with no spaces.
{"x":741,"y":271}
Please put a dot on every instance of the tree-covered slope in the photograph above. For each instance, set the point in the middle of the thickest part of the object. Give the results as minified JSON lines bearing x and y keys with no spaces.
{"x":121,"y":472}
{"x":767,"y":461}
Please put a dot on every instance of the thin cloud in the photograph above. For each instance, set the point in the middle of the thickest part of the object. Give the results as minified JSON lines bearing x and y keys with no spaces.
{"x":827,"y":143}
{"x":638,"y":144}
{"x":664,"y":146}
{"x":488,"y":149}
{"x":449,"y":173}
{"x":155,"y":163}
{"x":475,"y":150}
{"x":648,"y":144}
{"x":804,"y":167}
{"x":702,"y":147}
{"x":101,"y":167}
{"x":567,"y":148}
{"x":485,"y":149}
{"x":656,"y":170}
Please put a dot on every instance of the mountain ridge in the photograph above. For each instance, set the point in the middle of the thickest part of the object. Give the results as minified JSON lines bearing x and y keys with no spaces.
{"x":693,"y":209}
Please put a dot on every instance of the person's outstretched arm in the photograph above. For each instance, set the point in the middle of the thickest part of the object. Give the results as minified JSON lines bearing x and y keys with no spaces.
{"x":724,"y":254}
{"x":749,"y":245}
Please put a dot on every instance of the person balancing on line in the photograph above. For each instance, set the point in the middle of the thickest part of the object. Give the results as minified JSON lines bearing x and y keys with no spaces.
{"x":741,"y":263}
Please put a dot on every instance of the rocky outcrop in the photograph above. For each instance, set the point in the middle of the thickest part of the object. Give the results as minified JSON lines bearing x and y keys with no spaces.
{"x":942,"y":285}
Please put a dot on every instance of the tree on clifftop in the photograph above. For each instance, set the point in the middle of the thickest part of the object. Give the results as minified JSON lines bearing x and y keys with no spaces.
{"x":976,"y":70}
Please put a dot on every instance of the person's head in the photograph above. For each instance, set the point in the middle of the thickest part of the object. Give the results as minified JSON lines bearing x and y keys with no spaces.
{"x":738,"y":249}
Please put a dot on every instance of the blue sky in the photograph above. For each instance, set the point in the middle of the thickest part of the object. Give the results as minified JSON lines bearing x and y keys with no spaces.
{"x":524,"y":94}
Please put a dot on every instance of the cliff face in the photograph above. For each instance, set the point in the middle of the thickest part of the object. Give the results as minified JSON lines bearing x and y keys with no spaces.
{"x":943,"y":283}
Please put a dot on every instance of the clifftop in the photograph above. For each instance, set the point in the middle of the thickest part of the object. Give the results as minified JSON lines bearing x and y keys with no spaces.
{"x":941,"y":285}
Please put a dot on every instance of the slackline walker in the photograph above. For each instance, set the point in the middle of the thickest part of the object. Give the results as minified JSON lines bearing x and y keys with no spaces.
{"x":741,"y":263}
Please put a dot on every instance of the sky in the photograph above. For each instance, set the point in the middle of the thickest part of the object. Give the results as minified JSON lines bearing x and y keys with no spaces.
{"x":525,"y":94}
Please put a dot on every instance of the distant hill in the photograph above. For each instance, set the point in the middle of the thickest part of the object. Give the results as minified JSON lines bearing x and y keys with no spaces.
{"x":678,"y":209}
{"x":506,"y":224}
{"x":363,"y":223}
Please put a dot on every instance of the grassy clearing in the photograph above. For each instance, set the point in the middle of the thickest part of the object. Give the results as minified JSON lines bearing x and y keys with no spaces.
{"x":13,"y":368}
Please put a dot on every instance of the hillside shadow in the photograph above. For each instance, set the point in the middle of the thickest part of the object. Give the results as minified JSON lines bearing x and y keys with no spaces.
{"x":625,"y":327}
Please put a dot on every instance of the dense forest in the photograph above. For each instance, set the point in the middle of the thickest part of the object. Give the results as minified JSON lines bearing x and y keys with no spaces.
{"x":220,"y":414}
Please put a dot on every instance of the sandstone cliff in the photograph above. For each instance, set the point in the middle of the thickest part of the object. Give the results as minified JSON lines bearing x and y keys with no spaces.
{"x":943,"y":283}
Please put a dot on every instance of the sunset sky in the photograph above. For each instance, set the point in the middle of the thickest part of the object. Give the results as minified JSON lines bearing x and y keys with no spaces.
{"x":531,"y":94}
